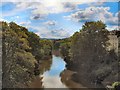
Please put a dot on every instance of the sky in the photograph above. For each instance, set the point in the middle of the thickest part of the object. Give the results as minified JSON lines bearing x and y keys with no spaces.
{"x":59,"y":18}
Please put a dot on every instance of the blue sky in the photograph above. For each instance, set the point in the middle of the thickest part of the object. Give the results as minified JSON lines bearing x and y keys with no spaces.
{"x":59,"y":18}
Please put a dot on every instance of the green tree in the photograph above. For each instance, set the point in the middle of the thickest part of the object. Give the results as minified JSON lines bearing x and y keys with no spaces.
{"x":22,"y":52}
{"x":88,"y":51}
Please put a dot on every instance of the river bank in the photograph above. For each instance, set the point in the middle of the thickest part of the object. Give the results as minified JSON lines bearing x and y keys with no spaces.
{"x":36,"y":83}
{"x":66,"y":77}
{"x":54,"y":75}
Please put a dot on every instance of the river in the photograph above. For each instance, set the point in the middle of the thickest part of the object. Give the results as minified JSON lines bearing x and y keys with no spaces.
{"x":54,"y":75}
{"x":51,"y":78}
{"x":50,"y":74}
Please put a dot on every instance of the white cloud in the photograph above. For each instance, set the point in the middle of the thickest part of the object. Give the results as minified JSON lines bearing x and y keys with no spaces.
{"x":41,"y":8}
{"x":50,"y":23}
{"x":17,"y":17}
{"x":116,"y":27}
{"x":56,"y":6}
{"x":1,"y":19}
{"x":61,"y":0}
{"x":44,"y":32}
{"x":45,"y":7}
{"x":93,"y":14}
{"x":25,"y":23}
{"x":96,"y":3}
{"x":38,"y":16}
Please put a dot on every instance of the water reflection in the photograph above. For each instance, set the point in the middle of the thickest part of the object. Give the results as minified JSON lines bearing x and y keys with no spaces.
{"x":36,"y":83}
{"x":45,"y":66}
{"x":52,"y":77}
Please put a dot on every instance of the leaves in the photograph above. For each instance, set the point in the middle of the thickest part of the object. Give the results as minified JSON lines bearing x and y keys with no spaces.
{"x":22,"y":50}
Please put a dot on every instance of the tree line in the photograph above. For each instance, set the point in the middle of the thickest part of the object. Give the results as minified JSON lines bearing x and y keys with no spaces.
{"x":85,"y":53}
{"x":22,"y":52}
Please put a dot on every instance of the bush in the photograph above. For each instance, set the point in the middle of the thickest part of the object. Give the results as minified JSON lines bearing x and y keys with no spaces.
{"x":116,"y":85}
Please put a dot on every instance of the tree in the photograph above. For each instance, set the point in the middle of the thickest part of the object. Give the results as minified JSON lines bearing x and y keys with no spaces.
{"x":9,"y":47}
{"x":21,"y":53}
{"x":88,"y":50}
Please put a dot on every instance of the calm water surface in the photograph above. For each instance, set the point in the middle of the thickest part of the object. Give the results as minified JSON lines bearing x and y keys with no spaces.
{"x":50,"y":75}
{"x":51,"y":78}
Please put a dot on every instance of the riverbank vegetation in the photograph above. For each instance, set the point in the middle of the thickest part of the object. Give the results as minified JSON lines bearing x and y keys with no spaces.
{"x":86,"y":53}
{"x":22,"y":53}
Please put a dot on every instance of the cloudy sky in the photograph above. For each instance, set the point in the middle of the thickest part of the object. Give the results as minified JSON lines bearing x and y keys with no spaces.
{"x":59,"y":18}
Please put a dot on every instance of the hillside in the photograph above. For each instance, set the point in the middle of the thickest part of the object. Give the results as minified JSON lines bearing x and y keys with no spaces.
{"x":86,"y":53}
{"x":22,"y":52}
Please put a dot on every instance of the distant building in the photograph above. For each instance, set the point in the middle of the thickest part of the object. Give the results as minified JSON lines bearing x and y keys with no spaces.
{"x":113,"y":41}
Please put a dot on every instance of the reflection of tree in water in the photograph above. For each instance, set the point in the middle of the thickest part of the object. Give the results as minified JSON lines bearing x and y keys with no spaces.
{"x":37,"y":81}
{"x":45,"y":65}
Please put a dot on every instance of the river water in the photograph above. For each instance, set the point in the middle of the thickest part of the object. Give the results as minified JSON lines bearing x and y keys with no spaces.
{"x":51,"y":78}
{"x":54,"y":75}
